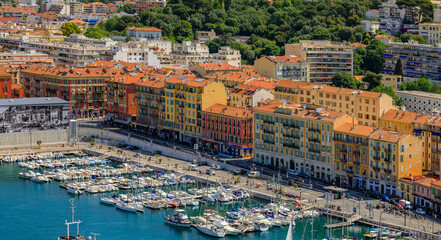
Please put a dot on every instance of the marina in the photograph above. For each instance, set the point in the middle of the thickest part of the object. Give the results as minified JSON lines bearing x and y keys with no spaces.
{"x":44,"y":198}
{"x":173,"y":199}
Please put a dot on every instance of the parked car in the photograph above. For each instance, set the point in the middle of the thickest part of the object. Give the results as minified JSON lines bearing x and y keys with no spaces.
{"x":385,"y":198}
{"x":239,"y":171}
{"x":420,"y":211}
{"x":210,"y":172}
{"x":202,"y":163}
{"x":156,"y":152}
{"x":254,"y":174}
{"x":217,"y":167}
{"x":192,"y":167}
{"x":137,"y":155}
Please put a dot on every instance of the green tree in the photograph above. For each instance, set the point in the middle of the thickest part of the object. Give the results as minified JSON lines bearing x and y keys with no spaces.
{"x":372,"y":79}
{"x":389,"y":91}
{"x":358,"y":60}
{"x":127,"y":8}
{"x":424,"y":84}
{"x":417,"y":9}
{"x":321,"y":34}
{"x":95,"y":32}
{"x":69,"y":28}
{"x":419,"y":39}
{"x":374,"y":60}
{"x":344,"y":79}
{"x":398,"y":67}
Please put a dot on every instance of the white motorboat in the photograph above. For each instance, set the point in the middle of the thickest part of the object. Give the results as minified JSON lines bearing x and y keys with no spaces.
{"x":261,"y":226}
{"x":211,"y":230}
{"x":109,"y":201}
{"x":75,"y":191}
{"x":179,"y":219}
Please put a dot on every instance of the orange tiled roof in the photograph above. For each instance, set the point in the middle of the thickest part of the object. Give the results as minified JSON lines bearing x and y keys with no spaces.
{"x":218,"y":67}
{"x":262,"y":84}
{"x":298,"y":110}
{"x":229,"y":111}
{"x":65,"y":72}
{"x":326,"y":88}
{"x":189,"y":80}
{"x":77,"y":21}
{"x":401,"y":116}
{"x":148,"y":29}
{"x":385,"y":36}
{"x":355,"y":129}
{"x":102,"y":64}
{"x":152,"y":83}
{"x":388,"y":136}
{"x":285,"y":59}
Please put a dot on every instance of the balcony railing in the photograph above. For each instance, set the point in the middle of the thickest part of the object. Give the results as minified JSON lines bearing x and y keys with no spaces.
{"x":376,"y":147}
{"x":268,"y":141}
{"x":356,"y":152}
{"x":268,"y":131}
{"x":376,"y":168}
{"x":376,"y":157}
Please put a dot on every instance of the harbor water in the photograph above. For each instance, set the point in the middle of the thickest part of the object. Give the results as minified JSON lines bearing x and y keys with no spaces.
{"x":29,"y":210}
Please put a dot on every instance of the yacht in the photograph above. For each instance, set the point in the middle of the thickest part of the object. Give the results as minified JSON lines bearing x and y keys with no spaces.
{"x":109,"y":201}
{"x":75,"y":191}
{"x":261,"y":226}
{"x":211,"y":230}
{"x":179,"y":219}
{"x":128,"y":207}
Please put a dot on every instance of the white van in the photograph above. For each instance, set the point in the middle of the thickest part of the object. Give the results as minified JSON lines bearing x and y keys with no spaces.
{"x":254,"y":174}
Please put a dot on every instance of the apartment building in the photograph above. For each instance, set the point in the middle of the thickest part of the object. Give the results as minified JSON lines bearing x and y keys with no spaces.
{"x":72,"y":54}
{"x":283,"y":67}
{"x":204,"y":36}
{"x":185,"y":98}
{"x":189,"y":53}
{"x":351,"y":143}
{"x":144,"y":56}
{"x":6,"y":84}
{"x":431,"y":32}
{"x":95,"y":8}
{"x":325,"y":58}
{"x":121,"y":96}
{"x":373,"y":13}
{"x":392,"y":156}
{"x":151,"y":104}
{"x":227,"y":55}
{"x":421,"y":102}
{"x":84,"y":88}
{"x":144,"y":32}
{"x":248,"y":96}
{"x":291,"y":136}
{"x":366,"y":106}
{"x":143,"y":5}
{"x":15,"y":58}
{"x":227,"y":131}
{"x":370,"y":26}
{"x":76,"y":8}
{"x":414,"y":58}
{"x":214,"y":68}
{"x":437,"y":14}
{"x":390,"y":80}
{"x":422,"y":191}
{"x":391,"y":17}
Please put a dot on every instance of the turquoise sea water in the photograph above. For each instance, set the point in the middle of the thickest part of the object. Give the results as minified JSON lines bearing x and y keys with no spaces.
{"x":29,"y":210}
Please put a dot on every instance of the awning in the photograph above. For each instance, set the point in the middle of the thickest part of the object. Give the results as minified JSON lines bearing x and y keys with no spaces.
{"x":225,"y":155}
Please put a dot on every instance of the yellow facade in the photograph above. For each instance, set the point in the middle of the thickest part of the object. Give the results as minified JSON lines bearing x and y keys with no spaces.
{"x":406,"y":189}
{"x":283,"y":67}
{"x":391,"y":80}
{"x":393,"y":156}
{"x":352,"y":154}
{"x":366,"y":106}
{"x":184,"y":101}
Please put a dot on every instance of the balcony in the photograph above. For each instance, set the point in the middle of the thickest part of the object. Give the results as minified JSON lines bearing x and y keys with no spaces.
{"x":291,"y":145}
{"x":268,"y":141}
{"x":344,"y":160}
{"x":376,"y":157}
{"x":268,"y":131}
{"x":314,"y":150}
{"x":388,"y":150}
{"x":376,"y":168}
{"x":350,"y":171}
{"x":317,"y":140}
{"x":356,"y":152}
{"x":387,"y":159}
{"x":343,"y":149}
{"x":377,"y":148}
{"x":268,"y":121}
{"x":357,"y":163}
{"x":314,"y":129}
{"x":388,"y":171}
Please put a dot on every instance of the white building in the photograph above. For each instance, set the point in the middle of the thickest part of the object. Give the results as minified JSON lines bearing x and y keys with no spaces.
{"x":227,"y":55}
{"x":373,"y":13}
{"x":144,"y":32}
{"x":188,"y":53}
{"x":137,"y":55}
{"x":437,"y":14}
{"x":370,"y":26}
{"x":421,"y":102}
{"x":391,"y":17}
